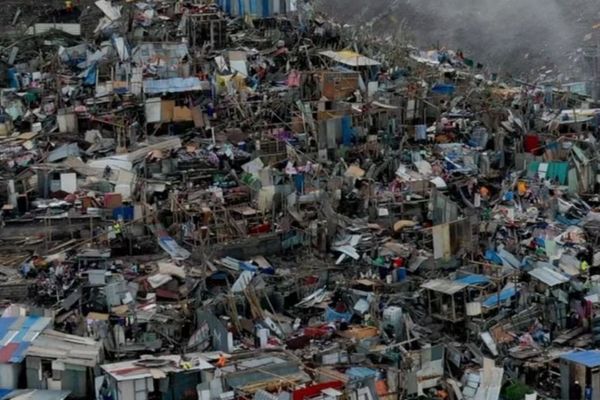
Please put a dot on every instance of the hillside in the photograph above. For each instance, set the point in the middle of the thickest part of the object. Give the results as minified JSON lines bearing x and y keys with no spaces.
{"x":514,"y":36}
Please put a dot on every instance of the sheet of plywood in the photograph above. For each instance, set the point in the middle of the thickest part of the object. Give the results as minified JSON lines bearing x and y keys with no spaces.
{"x":166,"y":110}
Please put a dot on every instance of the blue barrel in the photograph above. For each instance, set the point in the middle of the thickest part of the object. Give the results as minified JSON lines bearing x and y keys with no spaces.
{"x":400,"y":274}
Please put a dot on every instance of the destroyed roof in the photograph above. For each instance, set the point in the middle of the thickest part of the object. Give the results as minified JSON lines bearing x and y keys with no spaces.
{"x":445,"y":286}
{"x":164,"y":54}
{"x":135,"y":369}
{"x":17,"y":334}
{"x":548,"y":276}
{"x":590,"y":358}
{"x":350,"y":58}
{"x":71,"y":349}
{"x":496,"y":299}
{"x":265,"y":369}
{"x":37,"y":394}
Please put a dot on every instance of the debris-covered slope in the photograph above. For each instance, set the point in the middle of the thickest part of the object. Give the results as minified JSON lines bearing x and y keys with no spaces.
{"x":516,"y":35}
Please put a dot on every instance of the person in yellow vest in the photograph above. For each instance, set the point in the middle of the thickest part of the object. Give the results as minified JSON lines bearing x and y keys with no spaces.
{"x":584,"y":267}
{"x":118,"y":229}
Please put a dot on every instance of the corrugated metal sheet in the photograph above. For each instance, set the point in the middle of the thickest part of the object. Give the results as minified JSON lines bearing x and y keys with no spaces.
{"x":473,"y":279}
{"x":445,"y":286}
{"x":361,"y":372}
{"x":265,"y":373}
{"x":548,"y":276}
{"x":17,"y":333}
{"x":172,"y":85}
{"x":34,"y":394}
{"x":590,"y":359}
{"x":257,"y":8}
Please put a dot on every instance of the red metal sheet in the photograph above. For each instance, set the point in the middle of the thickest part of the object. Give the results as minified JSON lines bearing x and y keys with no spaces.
{"x":314,"y":390}
{"x":7,"y":351}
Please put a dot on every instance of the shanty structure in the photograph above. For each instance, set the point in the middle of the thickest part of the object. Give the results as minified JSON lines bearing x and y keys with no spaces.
{"x":169,"y":378}
{"x":18,"y":334}
{"x":446,"y":299}
{"x":63,"y":361}
{"x":582,"y":367}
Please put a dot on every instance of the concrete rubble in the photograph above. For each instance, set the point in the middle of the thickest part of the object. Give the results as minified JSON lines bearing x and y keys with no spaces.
{"x":247,"y":200}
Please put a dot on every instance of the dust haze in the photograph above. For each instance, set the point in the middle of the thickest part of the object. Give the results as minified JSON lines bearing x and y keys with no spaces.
{"x":513,"y":36}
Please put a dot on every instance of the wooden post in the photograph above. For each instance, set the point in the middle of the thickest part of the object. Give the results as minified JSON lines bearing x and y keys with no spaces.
{"x":453,"y":308}
{"x":429,"y":301}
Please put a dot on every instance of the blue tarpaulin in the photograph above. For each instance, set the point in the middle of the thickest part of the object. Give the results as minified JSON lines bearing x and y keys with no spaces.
{"x":493,"y":300}
{"x":244,"y":266}
{"x":566,"y":221}
{"x":331,"y":315}
{"x":361,"y":372}
{"x":90,"y":76}
{"x":299,"y":183}
{"x":13,"y":82}
{"x":492,"y":256}
{"x":347,"y":133}
{"x":124,"y":213}
{"x":441,"y":88}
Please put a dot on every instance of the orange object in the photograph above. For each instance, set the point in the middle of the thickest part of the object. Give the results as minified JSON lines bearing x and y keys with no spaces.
{"x":484,"y":192}
{"x":222,"y":361}
{"x":381,"y":387}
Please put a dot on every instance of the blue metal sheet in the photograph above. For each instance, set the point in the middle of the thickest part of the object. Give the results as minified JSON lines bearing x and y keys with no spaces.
{"x":492,"y":301}
{"x":332,"y":315}
{"x":5,"y":324}
{"x":19,"y":353}
{"x":590,"y":359}
{"x":253,"y":7}
{"x":361,"y":372}
{"x":25,"y":330}
{"x":27,"y":324}
{"x":473,"y":279}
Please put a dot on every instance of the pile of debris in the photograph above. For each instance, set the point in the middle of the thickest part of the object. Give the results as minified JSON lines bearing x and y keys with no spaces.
{"x":249,"y":200}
